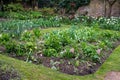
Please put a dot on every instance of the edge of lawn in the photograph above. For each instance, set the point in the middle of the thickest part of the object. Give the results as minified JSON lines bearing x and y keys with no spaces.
{"x":31,"y":71}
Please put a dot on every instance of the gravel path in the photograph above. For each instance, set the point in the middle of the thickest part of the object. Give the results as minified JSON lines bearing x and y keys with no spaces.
{"x":112,"y":76}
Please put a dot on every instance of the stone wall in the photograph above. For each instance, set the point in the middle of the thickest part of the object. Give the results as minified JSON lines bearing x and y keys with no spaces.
{"x":96,"y":9}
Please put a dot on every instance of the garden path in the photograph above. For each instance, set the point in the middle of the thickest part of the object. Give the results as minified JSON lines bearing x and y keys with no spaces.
{"x":112,"y":76}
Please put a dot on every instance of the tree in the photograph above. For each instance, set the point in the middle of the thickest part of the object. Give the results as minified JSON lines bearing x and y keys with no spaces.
{"x":119,"y":7}
{"x":105,"y":9}
{"x":111,"y":3}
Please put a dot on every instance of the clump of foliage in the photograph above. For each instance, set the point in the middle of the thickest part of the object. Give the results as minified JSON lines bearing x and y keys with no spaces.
{"x":62,"y":43}
{"x":22,"y":15}
{"x":16,"y":27}
{"x":16,"y":11}
{"x":112,"y":23}
{"x":13,"y":7}
{"x":73,"y":4}
{"x":26,"y":43}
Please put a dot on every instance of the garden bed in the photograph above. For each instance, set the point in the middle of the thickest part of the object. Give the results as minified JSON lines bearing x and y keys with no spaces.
{"x":74,"y":64}
{"x":71,"y":66}
{"x":76,"y":50}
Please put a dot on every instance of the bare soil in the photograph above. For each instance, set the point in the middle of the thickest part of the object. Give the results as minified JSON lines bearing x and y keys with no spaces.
{"x":112,"y":76}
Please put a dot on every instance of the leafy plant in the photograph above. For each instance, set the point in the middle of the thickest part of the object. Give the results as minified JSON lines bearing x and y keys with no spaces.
{"x":4,"y":37}
{"x":89,"y":41}
{"x":68,"y":54}
{"x":37,"y":32}
{"x":53,"y":41}
{"x":89,"y":51}
{"x":50,"y":53}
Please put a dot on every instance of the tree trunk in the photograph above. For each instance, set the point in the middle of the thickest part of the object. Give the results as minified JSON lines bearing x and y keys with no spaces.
{"x":110,"y":11}
{"x":104,"y":8}
{"x":111,"y":3}
{"x":119,"y":8}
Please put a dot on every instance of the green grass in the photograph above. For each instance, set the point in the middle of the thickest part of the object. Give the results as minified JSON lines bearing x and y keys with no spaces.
{"x":31,"y":71}
{"x":55,"y":28}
